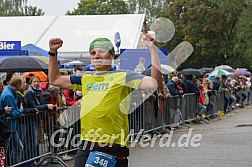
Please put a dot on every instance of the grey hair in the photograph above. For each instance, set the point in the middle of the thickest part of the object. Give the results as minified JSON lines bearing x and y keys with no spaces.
{"x":175,"y":79}
{"x":54,"y":88}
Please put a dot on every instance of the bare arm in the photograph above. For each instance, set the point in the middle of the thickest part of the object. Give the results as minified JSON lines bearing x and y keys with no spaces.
{"x":54,"y":74}
{"x":155,"y":81}
{"x":148,"y":83}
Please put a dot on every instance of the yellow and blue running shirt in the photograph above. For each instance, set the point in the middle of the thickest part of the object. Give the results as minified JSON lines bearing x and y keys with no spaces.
{"x":105,"y":105}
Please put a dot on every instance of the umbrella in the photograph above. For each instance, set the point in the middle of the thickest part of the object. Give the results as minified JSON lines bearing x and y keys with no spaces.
{"x":241,"y":69}
{"x":206,"y":70}
{"x":243,"y":73}
{"x":147,"y":72}
{"x":166,"y":69}
{"x":22,"y":64}
{"x":42,"y":58}
{"x":220,"y":72}
{"x":191,"y":71}
{"x":224,"y":67}
{"x":75,"y":62}
{"x":45,"y":59}
{"x":42,"y":76}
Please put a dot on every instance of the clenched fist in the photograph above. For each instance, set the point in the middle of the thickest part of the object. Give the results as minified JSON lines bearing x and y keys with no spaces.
{"x":54,"y":44}
{"x":149,"y":40}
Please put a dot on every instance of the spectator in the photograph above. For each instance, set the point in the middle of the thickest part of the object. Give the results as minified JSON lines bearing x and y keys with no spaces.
{"x":208,"y":85}
{"x":35,"y":99}
{"x":22,"y":103}
{"x":196,"y":86}
{"x":9,"y":98}
{"x":189,"y":84}
{"x":181,"y":87}
{"x":5,"y":133}
{"x":170,"y":76}
{"x":71,"y":98}
{"x":63,"y":119}
{"x":232,"y":98}
{"x":217,"y":83}
{"x":249,"y":81}
{"x":24,"y":126}
{"x":244,"y":87}
{"x":3,"y":124}
{"x":201,"y":103}
{"x":51,"y":96}
{"x":172,"y":86}
{"x":227,"y":92}
{"x":34,"y":96}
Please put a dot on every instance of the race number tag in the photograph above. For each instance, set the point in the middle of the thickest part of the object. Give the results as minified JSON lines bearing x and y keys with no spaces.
{"x":100,"y":159}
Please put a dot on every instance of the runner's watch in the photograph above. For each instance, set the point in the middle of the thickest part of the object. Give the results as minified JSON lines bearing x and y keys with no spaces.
{"x":52,"y":54}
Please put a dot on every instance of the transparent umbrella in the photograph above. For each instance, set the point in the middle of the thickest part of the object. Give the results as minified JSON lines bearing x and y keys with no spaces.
{"x":220,"y":72}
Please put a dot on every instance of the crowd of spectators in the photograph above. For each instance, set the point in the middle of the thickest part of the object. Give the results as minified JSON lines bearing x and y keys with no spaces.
{"x":21,"y":101}
{"x":237,"y":90}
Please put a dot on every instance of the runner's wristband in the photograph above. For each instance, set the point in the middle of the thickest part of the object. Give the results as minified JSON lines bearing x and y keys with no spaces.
{"x":52,"y":54}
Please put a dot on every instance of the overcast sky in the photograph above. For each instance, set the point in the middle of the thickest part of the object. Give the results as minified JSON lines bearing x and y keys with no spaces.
{"x":54,"y":7}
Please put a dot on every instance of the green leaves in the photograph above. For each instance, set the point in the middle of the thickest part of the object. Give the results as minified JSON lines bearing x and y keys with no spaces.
{"x":18,"y":8}
{"x":216,"y":29}
{"x":100,"y":7}
{"x":244,"y":36}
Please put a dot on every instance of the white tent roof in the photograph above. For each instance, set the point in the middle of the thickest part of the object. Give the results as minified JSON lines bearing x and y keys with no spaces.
{"x":76,"y":31}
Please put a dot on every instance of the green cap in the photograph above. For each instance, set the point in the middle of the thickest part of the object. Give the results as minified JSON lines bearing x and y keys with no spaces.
{"x":103,"y":43}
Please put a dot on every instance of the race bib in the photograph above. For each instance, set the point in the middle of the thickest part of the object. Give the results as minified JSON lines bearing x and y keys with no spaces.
{"x":100,"y":159}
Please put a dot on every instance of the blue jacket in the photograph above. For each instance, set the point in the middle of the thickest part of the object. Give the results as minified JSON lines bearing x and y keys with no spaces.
{"x":9,"y":98}
{"x":35,"y":101}
{"x":189,"y":85}
{"x":172,"y":88}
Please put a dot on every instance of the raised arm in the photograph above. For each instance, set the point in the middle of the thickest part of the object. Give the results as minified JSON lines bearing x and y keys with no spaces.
{"x":54,"y":74}
{"x":155,"y":81}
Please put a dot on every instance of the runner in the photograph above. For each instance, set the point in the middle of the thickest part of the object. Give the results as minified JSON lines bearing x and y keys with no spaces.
{"x":105,"y":102}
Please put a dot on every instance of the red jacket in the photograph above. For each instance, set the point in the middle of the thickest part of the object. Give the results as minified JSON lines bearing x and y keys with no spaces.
{"x":70,"y":98}
{"x":202,"y":99}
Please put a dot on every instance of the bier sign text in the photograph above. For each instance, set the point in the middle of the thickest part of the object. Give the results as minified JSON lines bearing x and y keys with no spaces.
{"x":10,"y":45}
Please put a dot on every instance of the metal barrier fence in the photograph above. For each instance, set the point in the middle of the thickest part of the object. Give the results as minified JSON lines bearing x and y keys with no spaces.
{"x":41,"y":137}
{"x":37,"y":138}
{"x":27,"y":142}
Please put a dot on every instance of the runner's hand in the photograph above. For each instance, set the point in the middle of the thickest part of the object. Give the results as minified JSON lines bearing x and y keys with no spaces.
{"x":149,"y":40}
{"x":54,"y":44}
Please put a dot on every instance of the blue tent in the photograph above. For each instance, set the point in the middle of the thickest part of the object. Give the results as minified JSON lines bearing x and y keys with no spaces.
{"x":34,"y":50}
{"x":129,"y":58}
{"x":37,"y":51}
{"x":90,"y":67}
